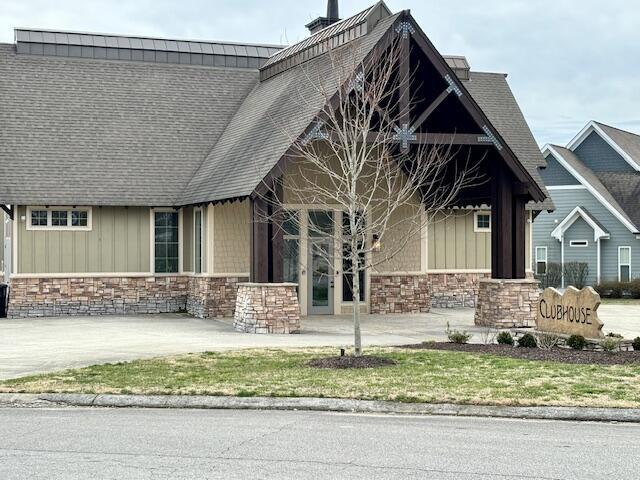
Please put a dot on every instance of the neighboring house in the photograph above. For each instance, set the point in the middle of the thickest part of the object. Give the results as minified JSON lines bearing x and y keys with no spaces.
{"x":132,"y":166}
{"x":595,"y":186}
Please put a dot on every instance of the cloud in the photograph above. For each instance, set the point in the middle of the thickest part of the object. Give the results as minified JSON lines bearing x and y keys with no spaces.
{"x":568,"y":61}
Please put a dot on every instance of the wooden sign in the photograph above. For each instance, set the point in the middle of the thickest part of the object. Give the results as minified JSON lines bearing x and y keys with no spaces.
{"x":573,"y":313}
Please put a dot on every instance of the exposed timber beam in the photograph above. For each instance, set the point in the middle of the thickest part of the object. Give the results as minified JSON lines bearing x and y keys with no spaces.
{"x":9,"y":210}
{"x":430,"y":109}
{"x":433,"y":139}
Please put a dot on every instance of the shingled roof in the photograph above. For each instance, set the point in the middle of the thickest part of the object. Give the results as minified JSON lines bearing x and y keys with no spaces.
{"x":616,"y":190}
{"x":95,"y":131}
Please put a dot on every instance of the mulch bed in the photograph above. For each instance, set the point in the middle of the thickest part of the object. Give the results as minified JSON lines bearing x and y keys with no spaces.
{"x":349,"y":361}
{"x":562,"y":355}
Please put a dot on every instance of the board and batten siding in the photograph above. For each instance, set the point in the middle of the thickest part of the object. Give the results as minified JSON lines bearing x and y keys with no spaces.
{"x":565,"y":201}
{"x":453,"y":243}
{"x":118,"y":242}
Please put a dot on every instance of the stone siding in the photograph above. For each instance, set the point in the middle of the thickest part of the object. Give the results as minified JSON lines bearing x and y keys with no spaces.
{"x":267,"y":308}
{"x":455,"y":290}
{"x":507,"y":303}
{"x":400,"y":294}
{"x":45,"y":297}
{"x":213,"y":297}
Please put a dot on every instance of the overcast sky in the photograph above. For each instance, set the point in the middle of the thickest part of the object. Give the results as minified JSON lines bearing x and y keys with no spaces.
{"x":569,"y":61}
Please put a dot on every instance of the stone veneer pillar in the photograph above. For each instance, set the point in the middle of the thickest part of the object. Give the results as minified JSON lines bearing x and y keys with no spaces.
{"x":507,"y":303}
{"x":267,"y":308}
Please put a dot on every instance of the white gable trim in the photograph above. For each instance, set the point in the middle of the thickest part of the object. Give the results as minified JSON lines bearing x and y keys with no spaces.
{"x":594,"y":127}
{"x":570,"y":219}
{"x":616,"y":213}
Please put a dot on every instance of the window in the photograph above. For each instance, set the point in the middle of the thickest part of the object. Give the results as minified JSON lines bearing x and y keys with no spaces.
{"x":347,"y":278}
{"x":197,"y":239}
{"x":482,"y":222}
{"x":624,"y":264}
{"x":291,"y":256}
{"x":79,"y":218}
{"x":166,"y":242}
{"x":39,"y":218}
{"x":541,"y":260}
{"x":57,"y":218}
{"x":579,"y":243}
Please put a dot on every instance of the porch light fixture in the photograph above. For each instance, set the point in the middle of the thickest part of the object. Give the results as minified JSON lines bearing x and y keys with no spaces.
{"x":377,"y":245}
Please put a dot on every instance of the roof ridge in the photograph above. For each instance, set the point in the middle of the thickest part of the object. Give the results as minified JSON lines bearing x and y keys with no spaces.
{"x":616,"y":128}
{"x":147,"y":37}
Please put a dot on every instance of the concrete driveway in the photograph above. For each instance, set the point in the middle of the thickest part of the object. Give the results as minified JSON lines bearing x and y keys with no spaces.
{"x":31,"y":346}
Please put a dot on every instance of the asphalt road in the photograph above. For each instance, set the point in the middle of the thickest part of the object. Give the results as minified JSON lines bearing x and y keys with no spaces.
{"x":177,"y":444}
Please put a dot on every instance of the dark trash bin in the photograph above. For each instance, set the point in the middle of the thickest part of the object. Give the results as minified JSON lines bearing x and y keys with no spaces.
{"x":4,"y":299}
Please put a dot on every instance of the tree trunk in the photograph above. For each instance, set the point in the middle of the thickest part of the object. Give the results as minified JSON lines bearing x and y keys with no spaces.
{"x":357,"y":337}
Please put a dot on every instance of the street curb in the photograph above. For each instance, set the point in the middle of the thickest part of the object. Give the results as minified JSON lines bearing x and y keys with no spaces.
{"x":49,"y":400}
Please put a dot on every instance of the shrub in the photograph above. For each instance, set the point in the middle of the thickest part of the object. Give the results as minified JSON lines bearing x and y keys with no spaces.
{"x":553,"y":277}
{"x":527,"y":341}
{"x":577,"y":342}
{"x":505,"y":338}
{"x":614,"y":335}
{"x":456,"y":336}
{"x":610,"y":344}
{"x":619,"y":289}
{"x":636,"y":344}
{"x":576,"y":273}
{"x":547,"y":340}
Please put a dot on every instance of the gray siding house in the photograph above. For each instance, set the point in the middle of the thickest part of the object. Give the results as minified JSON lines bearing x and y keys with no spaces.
{"x":594,"y":183}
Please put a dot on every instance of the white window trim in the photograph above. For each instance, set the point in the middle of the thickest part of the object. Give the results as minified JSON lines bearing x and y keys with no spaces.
{"x":546,"y":259}
{"x":477,"y":229}
{"x":579,"y":243}
{"x":50,"y":227}
{"x":620,"y":265}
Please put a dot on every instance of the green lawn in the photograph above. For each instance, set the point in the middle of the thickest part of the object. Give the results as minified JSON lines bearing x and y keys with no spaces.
{"x":420,"y":376}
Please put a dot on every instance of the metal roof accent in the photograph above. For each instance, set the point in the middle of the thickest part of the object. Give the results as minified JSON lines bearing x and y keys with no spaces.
{"x":459,"y":65}
{"x":321,"y":42}
{"x":144,"y":49}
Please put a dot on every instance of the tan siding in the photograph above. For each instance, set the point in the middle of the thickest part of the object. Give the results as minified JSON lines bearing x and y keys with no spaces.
{"x":231,"y":238}
{"x":187,"y":239}
{"x":402,"y":243}
{"x":117,"y":243}
{"x":453,"y":244}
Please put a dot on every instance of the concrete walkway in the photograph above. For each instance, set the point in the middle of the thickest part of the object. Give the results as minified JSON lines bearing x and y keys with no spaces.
{"x":31,"y":346}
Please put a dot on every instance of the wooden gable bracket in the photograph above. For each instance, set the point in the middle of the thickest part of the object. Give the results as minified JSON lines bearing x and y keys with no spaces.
{"x":9,"y":210}
{"x":490,"y":136}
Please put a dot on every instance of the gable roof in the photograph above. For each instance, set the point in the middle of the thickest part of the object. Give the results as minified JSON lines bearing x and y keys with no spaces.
{"x":626,"y":144}
{"x":589,"y":179}
{"x":274,"y":114}
{"x":599,"y":231}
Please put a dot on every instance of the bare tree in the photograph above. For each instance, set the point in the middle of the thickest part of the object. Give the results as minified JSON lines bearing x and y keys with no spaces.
{"x":360,"y":159}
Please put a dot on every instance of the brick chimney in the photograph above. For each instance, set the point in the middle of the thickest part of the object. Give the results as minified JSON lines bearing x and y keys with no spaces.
{"x":333,"y":16}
